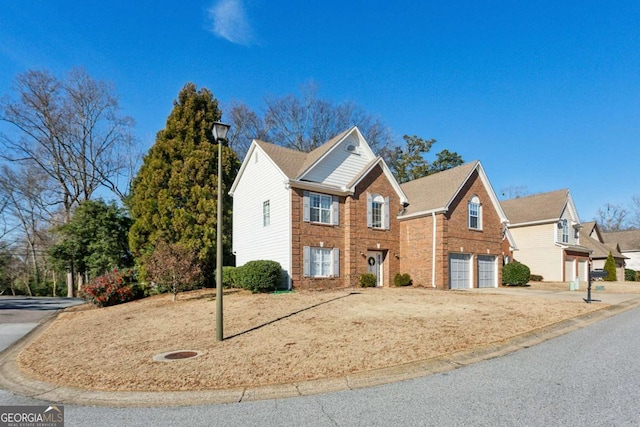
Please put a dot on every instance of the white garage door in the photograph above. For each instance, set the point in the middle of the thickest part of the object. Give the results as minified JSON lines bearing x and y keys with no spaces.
{"x":569,"y":269}
{"x":459,"y":271}
{"x":582,"y":270}
{"x":487,"y":271}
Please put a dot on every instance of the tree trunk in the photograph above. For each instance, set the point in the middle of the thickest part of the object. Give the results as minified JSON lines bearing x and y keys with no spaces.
{"x":55,"y":283}
{"x":69,"y":284}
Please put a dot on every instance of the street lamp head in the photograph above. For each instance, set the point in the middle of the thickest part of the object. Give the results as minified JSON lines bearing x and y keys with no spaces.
{"x":220,"y":131}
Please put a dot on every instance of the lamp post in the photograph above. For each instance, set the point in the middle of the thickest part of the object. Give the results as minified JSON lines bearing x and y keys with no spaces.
{"x":219,"y":134}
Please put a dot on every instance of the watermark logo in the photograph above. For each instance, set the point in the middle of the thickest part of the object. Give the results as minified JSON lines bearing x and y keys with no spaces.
{"x":32,"y":416}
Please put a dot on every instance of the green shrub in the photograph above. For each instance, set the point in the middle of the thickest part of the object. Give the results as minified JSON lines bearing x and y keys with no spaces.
{"x":516,"y":274}
{"x":402,"y":279}
{"x":259,"y":276}
{"x":229,"y":276}
{"x":368,"y":280}
{"x":630,"y":275}
{"x":536,"y":278}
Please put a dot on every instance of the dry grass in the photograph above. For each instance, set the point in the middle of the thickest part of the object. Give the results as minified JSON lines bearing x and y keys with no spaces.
{"x":276,"y":338}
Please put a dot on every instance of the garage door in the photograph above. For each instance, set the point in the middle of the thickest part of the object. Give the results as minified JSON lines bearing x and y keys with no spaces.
{"x":487,"y":271}
{"x":582,"y":270}
{"x":569,"y":269}
{"x":459,"y":271}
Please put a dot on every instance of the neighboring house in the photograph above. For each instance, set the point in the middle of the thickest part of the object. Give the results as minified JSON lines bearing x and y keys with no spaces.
{"x":453,"y":231}
{"x":591,"y":238}
{"x":326,"y":216}
{"x":546,"y":227}
{"x":628,"y":242}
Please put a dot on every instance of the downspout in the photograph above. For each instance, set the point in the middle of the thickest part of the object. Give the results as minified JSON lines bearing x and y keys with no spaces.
{"x":433,"y":253}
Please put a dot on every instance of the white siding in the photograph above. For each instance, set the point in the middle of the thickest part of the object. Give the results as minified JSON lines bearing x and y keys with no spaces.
{"x":252,"y":241}
{"x":634,"y":259}
{"x":537,"y":250}
{"x":340,"y":166}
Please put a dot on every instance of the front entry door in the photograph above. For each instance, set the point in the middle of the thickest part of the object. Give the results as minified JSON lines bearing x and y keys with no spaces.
{"x":374,"y":262}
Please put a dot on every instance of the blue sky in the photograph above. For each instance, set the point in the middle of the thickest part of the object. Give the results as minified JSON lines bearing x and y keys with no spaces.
{"x":546,"y":94}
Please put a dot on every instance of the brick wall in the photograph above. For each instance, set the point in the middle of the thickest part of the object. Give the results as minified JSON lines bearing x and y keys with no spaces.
{"x":453,"y":235}
{"x":351,"y":236}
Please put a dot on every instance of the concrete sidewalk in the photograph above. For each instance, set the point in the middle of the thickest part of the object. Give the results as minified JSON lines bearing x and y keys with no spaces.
{"x":13,"y":380}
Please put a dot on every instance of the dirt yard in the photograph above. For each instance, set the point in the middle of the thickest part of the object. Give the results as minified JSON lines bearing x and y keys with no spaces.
{"x":275,"y":338}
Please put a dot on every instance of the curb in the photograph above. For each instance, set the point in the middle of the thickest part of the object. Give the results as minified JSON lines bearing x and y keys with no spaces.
{"x":13,"y":380}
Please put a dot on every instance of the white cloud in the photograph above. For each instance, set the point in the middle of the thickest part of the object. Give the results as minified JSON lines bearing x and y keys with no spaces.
{"x":229,"y":21}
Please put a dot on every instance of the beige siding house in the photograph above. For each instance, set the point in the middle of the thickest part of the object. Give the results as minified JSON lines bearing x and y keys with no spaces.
{"x":629,"y":244}
{"x":546,"y":228}
{"x":591,"y":238}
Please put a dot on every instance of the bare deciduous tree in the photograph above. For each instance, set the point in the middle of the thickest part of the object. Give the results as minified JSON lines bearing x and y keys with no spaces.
{"x":71,"y":130}
{"x":303,"y":123}
{"x":612,"y":217}
{"x":174,"y":267}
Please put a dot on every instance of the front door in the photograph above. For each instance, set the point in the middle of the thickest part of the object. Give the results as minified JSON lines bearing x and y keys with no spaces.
{"x":374,"y":262}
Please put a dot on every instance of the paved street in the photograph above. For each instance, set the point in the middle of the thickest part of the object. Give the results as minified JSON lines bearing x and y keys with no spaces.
{"x":589,"y":377}
{"x":19,"y":315}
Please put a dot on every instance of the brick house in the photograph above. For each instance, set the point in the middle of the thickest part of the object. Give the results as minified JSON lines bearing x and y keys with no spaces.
{"x":330,"y":215}
{"x":453,"y":233}
{"x":547,"y":229}
{"x":326,"y":216}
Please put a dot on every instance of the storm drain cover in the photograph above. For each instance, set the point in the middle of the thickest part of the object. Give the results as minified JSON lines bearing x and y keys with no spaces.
{"x":176,"y":355}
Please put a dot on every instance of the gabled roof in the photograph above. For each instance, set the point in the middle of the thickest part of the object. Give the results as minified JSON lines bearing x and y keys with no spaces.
{"x":295,"y":165}
{"x":538,"y":208}
{"x":287,"y":160}
{"x":628,"y":240}
{"x":436,"y":192}
{"x":599,"y":249}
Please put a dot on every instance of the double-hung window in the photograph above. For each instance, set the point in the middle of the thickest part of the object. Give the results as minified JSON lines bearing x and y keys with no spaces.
{"x":565,"y":231}
{"x":377,"y":211}
{"x":266,"y":213}
{"x":320,"y":208}
{"x":320,"y":205}
{"x":475,"y":217}
{"x":321,"y":262}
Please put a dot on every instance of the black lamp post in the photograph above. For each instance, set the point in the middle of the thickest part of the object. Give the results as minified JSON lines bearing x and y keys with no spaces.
{"x":219,"y":134}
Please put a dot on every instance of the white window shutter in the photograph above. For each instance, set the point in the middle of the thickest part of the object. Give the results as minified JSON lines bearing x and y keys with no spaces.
{"x":369,"y":213}
{"x":306,"y":261}
{"x":386,"y":213}
{"x":336,"y":262}
{"x":306,"y":211}
{"x":336,"y":211}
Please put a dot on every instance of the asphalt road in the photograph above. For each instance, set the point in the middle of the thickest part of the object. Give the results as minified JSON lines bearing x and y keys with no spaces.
{"x":589,"y":377}
{"x":19,"y":315}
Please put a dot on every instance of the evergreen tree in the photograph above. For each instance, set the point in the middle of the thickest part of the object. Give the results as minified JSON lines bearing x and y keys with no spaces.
{"x":174,"y":196}
{"x":610,"y":268}
{"x":94,"y":241}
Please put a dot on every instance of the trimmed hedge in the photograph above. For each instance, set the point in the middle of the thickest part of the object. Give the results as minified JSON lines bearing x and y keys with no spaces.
{"x":402,"y":279}
{"x":536,"y":278}
{"x":516,"y":274}
{"x":229,"y":277}
{"x":368,"y":280}
{"x":258,"y":276}
{"x":630,"y":275}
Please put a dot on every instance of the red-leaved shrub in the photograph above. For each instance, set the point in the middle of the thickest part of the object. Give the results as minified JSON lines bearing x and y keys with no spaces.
{"x":111,"y":289}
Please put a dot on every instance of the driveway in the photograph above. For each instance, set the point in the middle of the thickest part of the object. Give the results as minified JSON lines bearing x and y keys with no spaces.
{"x":19,"y":315}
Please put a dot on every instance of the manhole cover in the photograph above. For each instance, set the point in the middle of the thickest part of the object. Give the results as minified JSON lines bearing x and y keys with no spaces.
{"x":176,"y":355}
{"x":181,"y":355}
